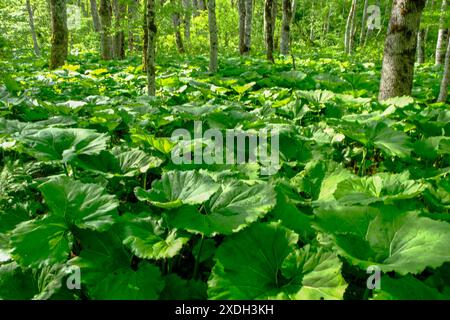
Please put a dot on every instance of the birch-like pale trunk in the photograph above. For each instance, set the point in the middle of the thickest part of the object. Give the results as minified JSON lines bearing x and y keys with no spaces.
{"x":248,"y":25}
{"x":37,"y":51}
{"x":60,"y":33}
{"x":349,"y":28}
{"x":421,"y":46}
{"x":443,"y":93}
{"x":442,"y":39}
{"x":213,"y":37}
{"x":95,"y":17}
{"x":363,"y":34}
{"x":151,"y":50}
{"x":105,"y":12}
{"x":400,"y":49}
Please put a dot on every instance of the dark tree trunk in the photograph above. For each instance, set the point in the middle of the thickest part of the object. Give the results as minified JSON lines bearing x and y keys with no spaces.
{"x":400,"y":49}
{"x":242,"y":17}
{"x":60,"y":33}
{"x":119,"y":37}
{"x":213,"y":37}
{"x":286,"y":26}
{"x":176,"y":24}
{"x":106,"y":38}
{"x":145,"y":44}
{"x":151,"y":50}
{"x":95,"y":17}
{"x":269,"y":28}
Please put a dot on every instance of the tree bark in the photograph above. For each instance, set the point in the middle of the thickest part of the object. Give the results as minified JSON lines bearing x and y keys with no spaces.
{"x":106,"y":38}
{"x":349,"y":28}
{"x":37,"y":51}
{"x":201,"y":5}
{"x":187,"y":20}
{"x":145,"y":44}
{"x":269,"y":28}
{"x":248,"y":25}
{"x":95,"y":17}
{"x":286,"y":26}
{"x":213,"y":37}
{"x":442,"y":40}
{"x":242,"y":18}
{"x":400,"y":49}
{"x":176,"y":24}
{"x":445,"y":77}
{"x":132,"y":16}
{"x":362,"y":37}
{"x":421,"y":46}
{"x":119,"y":37}
{"x":60,"y":33}
{"x":151,"y":50}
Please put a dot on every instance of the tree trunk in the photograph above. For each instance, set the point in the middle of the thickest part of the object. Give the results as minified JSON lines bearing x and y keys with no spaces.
{"x":352,"y":28}
{"x":326,"y":27}
{"x":37,"y":51}
{"x":95,"y":17}
{"x":421,"y":46}
{"x":119,"y":9}
{"x":400,"y":49}
{"x":201,"y":5}
{"x":242,"y":19}
{"x":269,"y":28}
{"x":445,"y":77}
{"x":248,"y":25}
{"x":151,"y":50}
{"x":286,"y":26}
{"x":132,"y":17}
{"x":187,"y":20}
{"x":60,"y":33}
{"x":362,"y":37}
{"x":176,"y":24}
{"x":145,"y":44}
{"x":442,"y":35}
{"x":213,"y":38}
{"x":106,"y":38}
{"x":349,"y":28}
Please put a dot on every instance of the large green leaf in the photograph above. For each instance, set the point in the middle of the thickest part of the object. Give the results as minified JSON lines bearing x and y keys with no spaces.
{"x":231,"y":209}
{"x":126,"y":284}
{"x":394,"y":240}
{"x":147,"y":240}
{"x":86,"y":206}
{"x":379,"y":187}
{"x":263,"y":262}
{"x":41,"y":242}
{"x":63,"y":144}
{"x":177,"y":188}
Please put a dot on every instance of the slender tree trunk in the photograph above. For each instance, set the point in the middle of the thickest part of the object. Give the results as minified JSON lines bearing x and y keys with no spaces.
{"x":176,"y":24}
{"x":132,"y":17}
{"x":145,"y":44}
{"x":326,"y":27}
{"x":213,"y":37}
{"x":60,"y":33}
{"x":248,"y":25}
{"x":119,"y":37}
{"x":362,"y":37}
{"x":312,"y":20}
{"x":400,"y":49}
{"x":242,"y":19}
{"x":446,"y":76}
{"x":37,"y":51}
{"x":441,"y":44}
{"x":187,"y":20}
{"x":106,"y":38}
{"x":269,"y":28}
{"x":95,"y":17}
{"x":349,"y":28}
{"x":151,"y":50}
{"x":352,"y":28}
{"x":421,"y":46}
{"x":286,"y":26}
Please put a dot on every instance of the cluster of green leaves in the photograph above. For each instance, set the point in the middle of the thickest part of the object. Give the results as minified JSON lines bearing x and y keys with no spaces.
{"x":87,"y":182}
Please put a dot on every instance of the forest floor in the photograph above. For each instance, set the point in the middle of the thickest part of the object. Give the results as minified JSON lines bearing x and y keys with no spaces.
{"x":359,"y":182}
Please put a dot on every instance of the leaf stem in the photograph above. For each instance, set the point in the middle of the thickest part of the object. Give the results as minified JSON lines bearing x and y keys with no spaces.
{"x":197,"y":259}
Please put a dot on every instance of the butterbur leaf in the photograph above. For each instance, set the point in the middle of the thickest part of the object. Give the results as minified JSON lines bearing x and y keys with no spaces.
{"x":146,"y":242}
{"x":406,"y":288}
{"x":396,"y":241}
{"x":380,"y":187}
{"x":262,"y":262}
{"x":126,"y":284}
{"x":52,"y":144}
{"x":176,"y":288}
{"x":177,"y":188}
{"x":85,"y":205}
{"x":15,"y":283}
{"x":231,"y":209}
{"x":41,"y":242}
